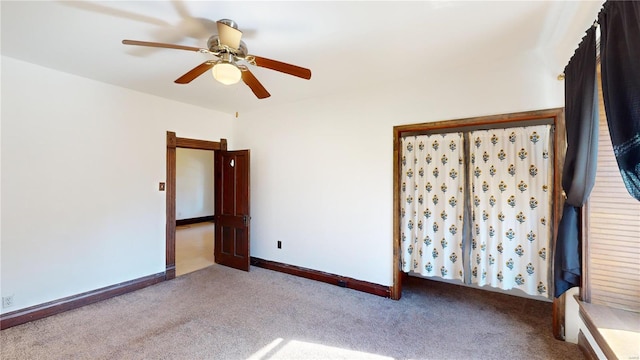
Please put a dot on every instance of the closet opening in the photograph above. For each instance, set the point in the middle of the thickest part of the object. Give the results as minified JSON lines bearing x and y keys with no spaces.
{"x":478,"y":200}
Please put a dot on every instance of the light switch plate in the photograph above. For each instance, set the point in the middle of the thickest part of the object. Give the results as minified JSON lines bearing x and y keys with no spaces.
{"x":161,"y":187}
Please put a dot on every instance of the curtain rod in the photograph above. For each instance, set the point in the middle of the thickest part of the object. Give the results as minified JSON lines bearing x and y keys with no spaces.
{"x":595,"y":26}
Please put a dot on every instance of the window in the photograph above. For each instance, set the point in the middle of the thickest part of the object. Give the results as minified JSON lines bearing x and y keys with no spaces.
{"x":612,"y":233}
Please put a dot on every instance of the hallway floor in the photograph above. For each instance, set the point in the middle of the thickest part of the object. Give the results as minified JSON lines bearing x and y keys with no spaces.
{"x":194,"y":247}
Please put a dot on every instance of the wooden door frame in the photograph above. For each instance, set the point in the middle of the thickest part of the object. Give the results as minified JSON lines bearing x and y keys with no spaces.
{"x":173,"y":143}
{"x":559,"y":147}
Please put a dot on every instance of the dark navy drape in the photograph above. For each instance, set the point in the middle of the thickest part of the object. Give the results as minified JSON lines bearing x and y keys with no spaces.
{"x":578,"y":175}
{"x":620,"y":67}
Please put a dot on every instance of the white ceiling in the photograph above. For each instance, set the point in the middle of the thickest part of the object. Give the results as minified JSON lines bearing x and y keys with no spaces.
{"x":347,"y":45}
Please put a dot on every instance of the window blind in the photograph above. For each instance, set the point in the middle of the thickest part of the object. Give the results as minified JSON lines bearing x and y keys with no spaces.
{"x":613,"y":232}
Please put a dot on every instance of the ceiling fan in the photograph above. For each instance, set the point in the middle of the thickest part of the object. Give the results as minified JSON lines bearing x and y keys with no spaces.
{"x":230,"y":51}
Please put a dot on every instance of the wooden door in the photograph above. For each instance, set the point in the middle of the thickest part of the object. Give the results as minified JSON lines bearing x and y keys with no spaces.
{"x":232,"y":209}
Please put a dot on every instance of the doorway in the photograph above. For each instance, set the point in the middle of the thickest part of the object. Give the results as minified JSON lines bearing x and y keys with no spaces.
{"x":174,"y":142}
{"x":195,"y":194}
{"x":231,"y":210}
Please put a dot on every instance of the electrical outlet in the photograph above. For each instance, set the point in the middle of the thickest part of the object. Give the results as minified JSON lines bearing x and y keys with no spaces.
{"x":7,"y":301}
{"x":279,"y":244}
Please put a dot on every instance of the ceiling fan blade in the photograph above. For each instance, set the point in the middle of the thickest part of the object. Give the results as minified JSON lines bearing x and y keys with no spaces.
{"x":195,"y":72}
{"x":160,"y":45}
{"x":181,"y":9}
{"x":97,"y":8}
{"x":229,"y":36}
{"x":254,"y":84}
{"x":283,"y":67}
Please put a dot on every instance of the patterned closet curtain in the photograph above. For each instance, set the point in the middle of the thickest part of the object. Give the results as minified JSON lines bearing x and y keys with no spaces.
{"x":432,"y":209}
{"x":511,"y":175}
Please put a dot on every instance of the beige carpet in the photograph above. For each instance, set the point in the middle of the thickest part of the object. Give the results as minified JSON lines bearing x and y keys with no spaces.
{"x":221,"y":313}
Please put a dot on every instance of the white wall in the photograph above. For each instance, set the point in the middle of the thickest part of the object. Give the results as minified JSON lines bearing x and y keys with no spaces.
{"x":321,"y":171}
{"x":81,"y":163}
{"x":194,"y":183}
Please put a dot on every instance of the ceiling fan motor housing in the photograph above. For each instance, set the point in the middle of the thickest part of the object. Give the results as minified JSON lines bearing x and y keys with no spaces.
{"x":214,"y":45}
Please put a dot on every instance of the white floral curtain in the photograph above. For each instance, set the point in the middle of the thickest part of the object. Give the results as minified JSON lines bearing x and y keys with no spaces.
{"x":432,"y":206}
{"x":511,"y":175}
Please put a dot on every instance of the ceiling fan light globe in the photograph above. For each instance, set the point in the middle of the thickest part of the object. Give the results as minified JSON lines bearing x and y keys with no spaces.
{"x":226,"y":73}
